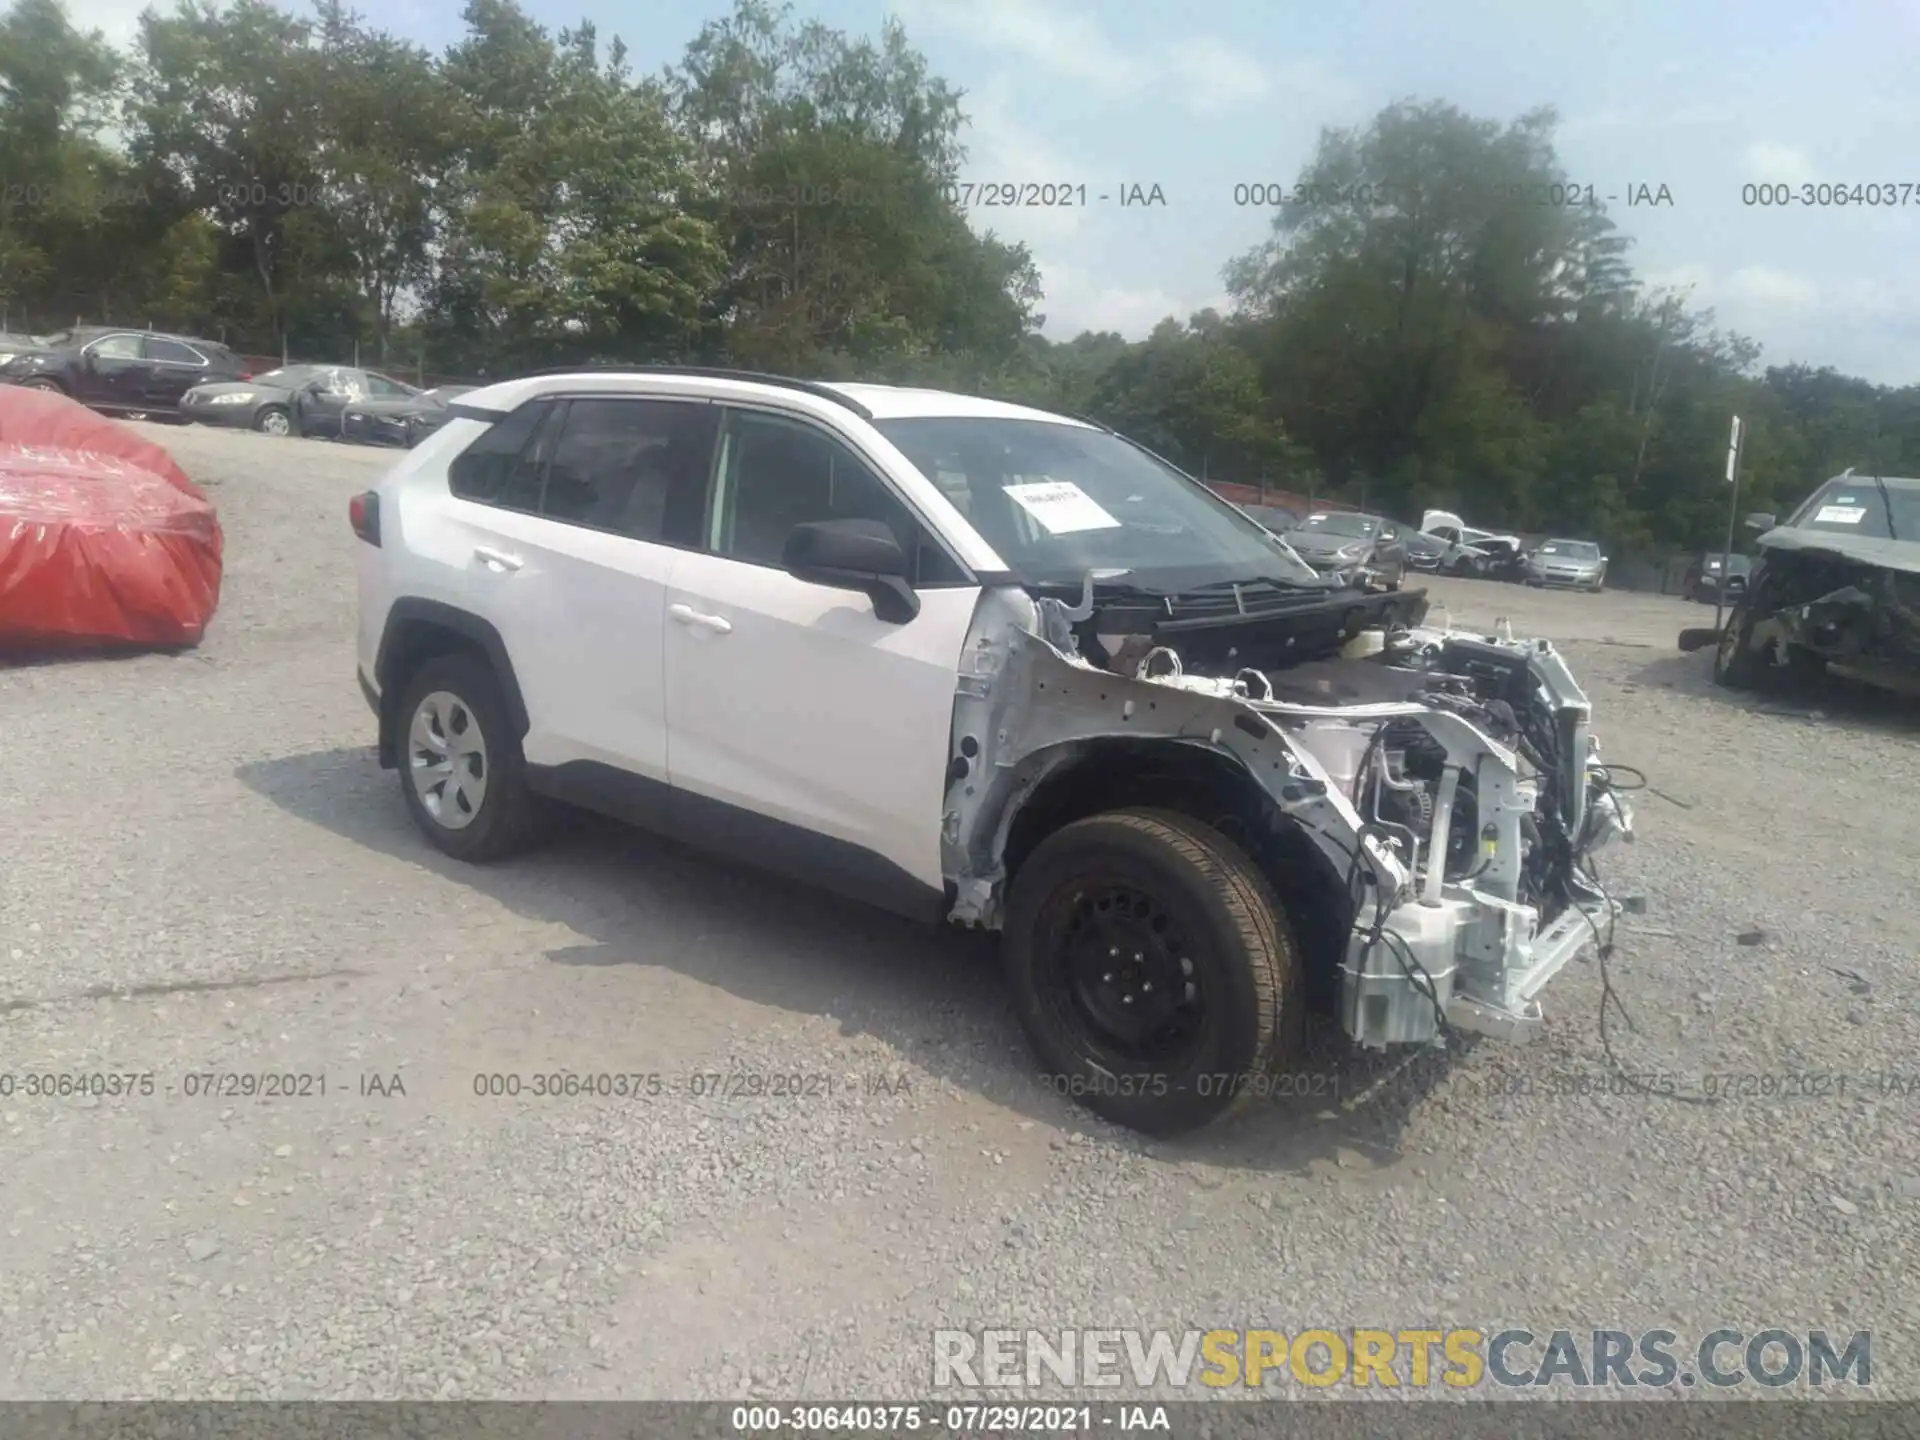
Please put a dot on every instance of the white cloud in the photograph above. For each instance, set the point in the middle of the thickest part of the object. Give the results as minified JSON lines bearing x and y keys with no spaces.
{"x":1208,"y":75}
{"x":1066,"y":42}
{"x":1214,"y":77}
{"x":119,"y":20}
{"x":1002,"y":151}
{"x":1765,"y":289}
{"x":1075,"y":301}
{"x":1783,"y":164}
{"x":1596,"y":123}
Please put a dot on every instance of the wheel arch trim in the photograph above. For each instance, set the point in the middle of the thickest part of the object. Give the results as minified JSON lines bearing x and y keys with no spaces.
{"x":410,"y":617}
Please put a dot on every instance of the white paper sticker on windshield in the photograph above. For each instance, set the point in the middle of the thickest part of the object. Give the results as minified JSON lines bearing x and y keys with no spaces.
{"x":1061,"y":507}
{"x":1840,"y":515}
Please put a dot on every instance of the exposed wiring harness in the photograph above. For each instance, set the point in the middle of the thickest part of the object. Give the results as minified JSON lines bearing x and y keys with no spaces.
{"x":1587,"y":870}
{"x":1358,"y":874}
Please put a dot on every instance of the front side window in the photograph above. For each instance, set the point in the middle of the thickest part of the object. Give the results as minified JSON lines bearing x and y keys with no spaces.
{"x":117,"y":347}
{"x":1058,"y":500}
{"x":777,"y":474}
{"x":634,"y":467}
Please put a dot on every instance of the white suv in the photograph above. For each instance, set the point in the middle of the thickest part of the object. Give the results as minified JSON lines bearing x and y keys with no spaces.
{"x":981,"y":664}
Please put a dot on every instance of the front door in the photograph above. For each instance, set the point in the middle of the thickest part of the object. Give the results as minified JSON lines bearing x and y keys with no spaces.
{"x":803,"y":728}
{"x":323,"y":404}
{"x":113,"y":372}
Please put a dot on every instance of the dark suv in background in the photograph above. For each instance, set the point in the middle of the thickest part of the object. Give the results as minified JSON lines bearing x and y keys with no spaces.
{"x":129,"y":372}
{"x":1702,"y":581}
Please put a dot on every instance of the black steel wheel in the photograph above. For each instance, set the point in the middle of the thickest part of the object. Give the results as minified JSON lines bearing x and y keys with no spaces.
{"x":1152,"y":969}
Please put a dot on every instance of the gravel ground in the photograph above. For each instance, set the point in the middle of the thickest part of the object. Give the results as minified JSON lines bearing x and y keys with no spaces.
{"x":230,"y":884}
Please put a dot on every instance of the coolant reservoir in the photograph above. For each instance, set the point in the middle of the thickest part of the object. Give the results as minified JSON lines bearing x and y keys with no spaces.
{"x":1338,"y":747}
{"x":1367,"y":642}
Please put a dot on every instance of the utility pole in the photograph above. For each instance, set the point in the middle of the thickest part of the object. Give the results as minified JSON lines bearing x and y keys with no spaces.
{"x":1734,"y":447}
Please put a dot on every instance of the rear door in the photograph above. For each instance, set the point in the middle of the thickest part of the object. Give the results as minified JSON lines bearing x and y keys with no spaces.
{"x":172,"y":370}
{"x":570,"y":512}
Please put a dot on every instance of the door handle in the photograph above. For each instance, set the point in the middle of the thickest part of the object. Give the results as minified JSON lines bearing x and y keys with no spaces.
{"x":687,"y":615}
{"x":498,"y":559}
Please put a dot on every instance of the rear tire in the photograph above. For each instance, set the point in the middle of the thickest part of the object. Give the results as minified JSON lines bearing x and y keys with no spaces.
{"x":461,"y":769}
{"x":1172,"y":902}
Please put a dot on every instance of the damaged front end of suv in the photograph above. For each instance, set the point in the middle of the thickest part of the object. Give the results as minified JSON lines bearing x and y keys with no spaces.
{"x":1834,"y":589}
{"x":1425,"y":804}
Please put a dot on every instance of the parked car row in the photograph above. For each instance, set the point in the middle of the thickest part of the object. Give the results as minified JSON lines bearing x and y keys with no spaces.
{"x":187,"y":379}
{"x":1374,"y":552}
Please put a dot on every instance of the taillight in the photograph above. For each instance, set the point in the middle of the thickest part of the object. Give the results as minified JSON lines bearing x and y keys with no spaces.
{"x":363,"y":513}
{"x":244,"y":375}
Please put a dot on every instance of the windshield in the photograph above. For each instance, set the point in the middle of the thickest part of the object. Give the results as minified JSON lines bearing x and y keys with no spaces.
{"x":1571,"y":549}
{"x":1058,"y":500}
{"x":1854,"y":507}
{"x":62,"y":337}
{"x":1356,"y":525}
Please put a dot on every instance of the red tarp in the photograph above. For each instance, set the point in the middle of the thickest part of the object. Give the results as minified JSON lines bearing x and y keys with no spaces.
{"x":103,"y":539}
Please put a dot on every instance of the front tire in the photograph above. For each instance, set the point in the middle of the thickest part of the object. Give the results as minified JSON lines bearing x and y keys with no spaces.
{"x":1152,"y":969}
{"x":461,"y":768}
{"x":43,"y":384}
{"x":273,"y":420}
{"x":1735,"y":666}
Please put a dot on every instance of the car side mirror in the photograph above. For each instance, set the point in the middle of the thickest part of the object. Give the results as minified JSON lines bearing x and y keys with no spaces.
{"x":854,"y":555}
{"x":1760,"y":522}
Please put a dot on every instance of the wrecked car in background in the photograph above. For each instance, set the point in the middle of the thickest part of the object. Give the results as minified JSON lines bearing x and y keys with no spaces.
{"x":1476,"y":554}
{"x":1031,"y":679}
{"x":1835,"y":589}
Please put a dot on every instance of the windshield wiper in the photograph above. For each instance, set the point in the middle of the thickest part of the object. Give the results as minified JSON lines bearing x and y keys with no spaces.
{"x":1886,"y":502}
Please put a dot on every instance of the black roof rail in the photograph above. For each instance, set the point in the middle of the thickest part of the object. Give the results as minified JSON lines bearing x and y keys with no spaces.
{"x":712,"y":372}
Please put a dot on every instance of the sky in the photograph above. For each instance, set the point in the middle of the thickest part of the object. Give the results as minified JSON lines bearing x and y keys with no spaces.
{"x":1704,"y":97}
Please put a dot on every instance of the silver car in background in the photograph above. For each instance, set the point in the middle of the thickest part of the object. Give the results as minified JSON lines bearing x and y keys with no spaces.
{"x":1567,"y":564}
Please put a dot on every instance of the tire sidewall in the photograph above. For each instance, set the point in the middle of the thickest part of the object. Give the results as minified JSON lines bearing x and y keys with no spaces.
{"x":473,"y":684}
{"x":260,"y":420}
{"x":1735,"y":671}
{"x":1230,"y":1044}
